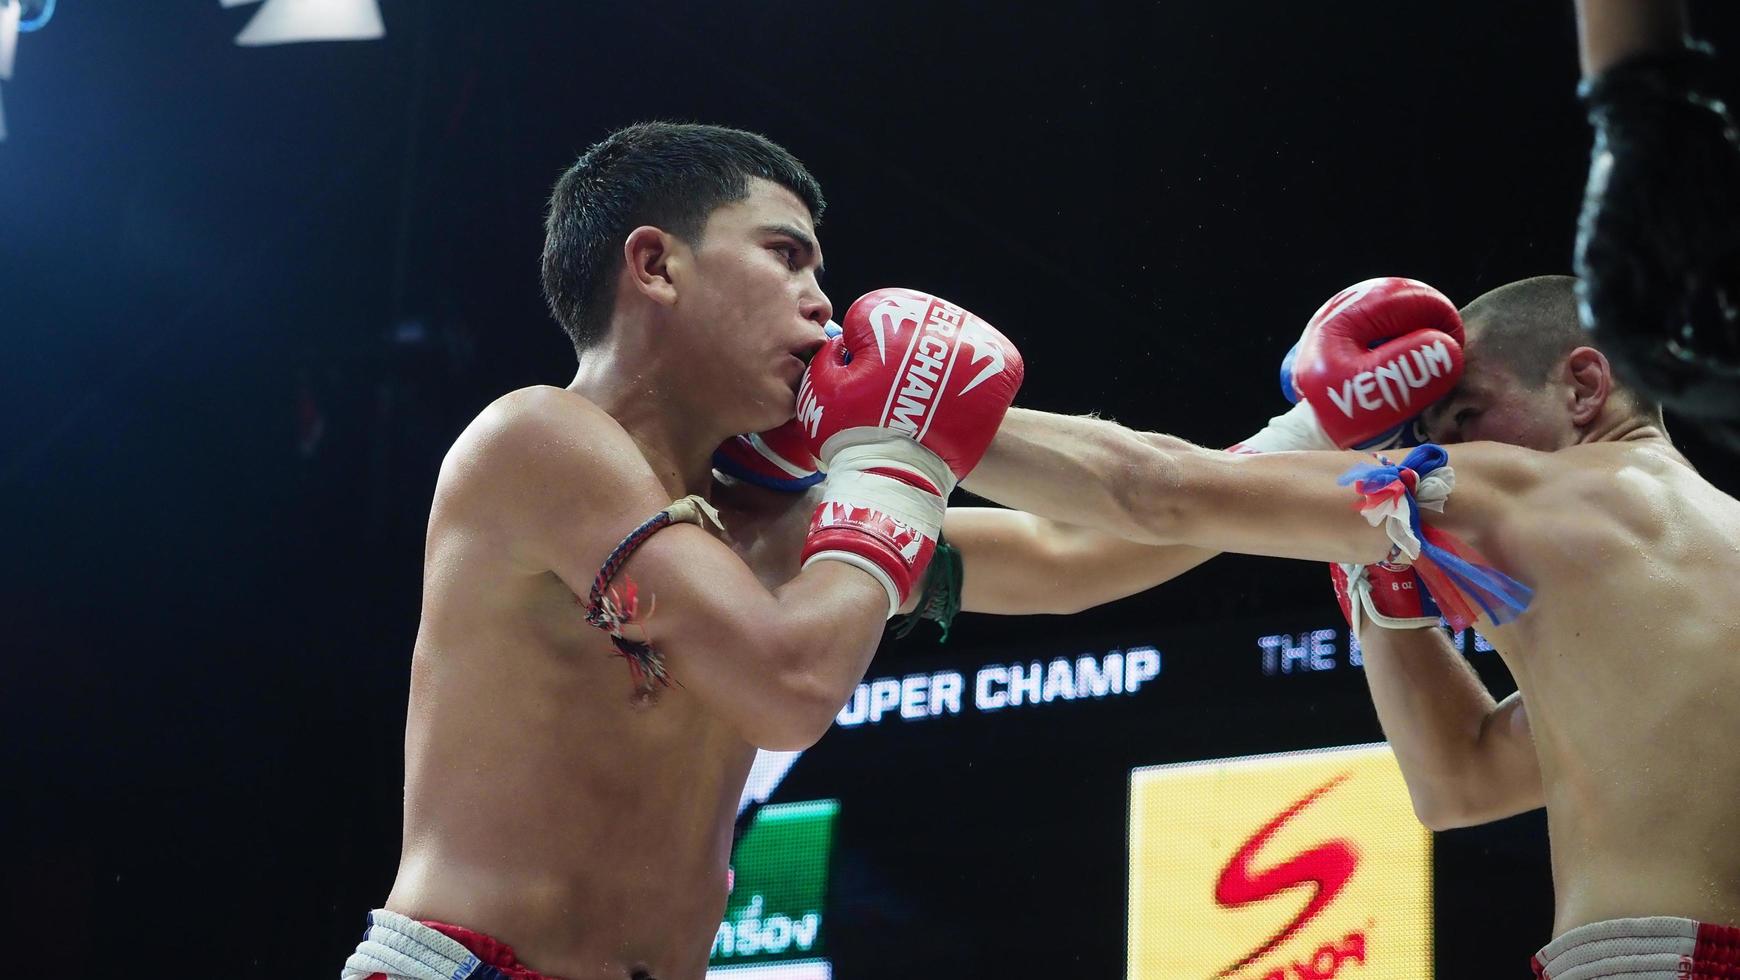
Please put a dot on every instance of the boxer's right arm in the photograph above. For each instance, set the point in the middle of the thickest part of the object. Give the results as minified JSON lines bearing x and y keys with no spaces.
{"x":1159,"y":489}
{"x":1369,"y":360}
{"x":1466,"y":759}
{"x":567,"y":484}
{"x":1018,"y":564}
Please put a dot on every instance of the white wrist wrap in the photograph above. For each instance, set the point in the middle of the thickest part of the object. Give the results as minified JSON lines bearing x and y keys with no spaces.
{"x":851,"y":483}
{"x":1292,"y":431}
{"x":864,"y":447}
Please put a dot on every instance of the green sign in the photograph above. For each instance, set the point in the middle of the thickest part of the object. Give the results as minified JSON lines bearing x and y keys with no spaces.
{"x":780,"y":866}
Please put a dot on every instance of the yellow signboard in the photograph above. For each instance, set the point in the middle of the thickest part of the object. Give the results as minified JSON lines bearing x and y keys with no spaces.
{"x":1299,"y":866}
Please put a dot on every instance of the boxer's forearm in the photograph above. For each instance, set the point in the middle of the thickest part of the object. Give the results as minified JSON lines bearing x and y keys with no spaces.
{"x":1018,"y":564}
{"x":1610,"y":31}
{"x":1061,"y":467}
{"x":1159,"y":489}
{"x":1461,"y":765}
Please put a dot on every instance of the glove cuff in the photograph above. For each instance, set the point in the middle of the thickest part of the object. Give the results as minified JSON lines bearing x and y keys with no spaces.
{"x":1293,"y":430}
{"x":1405,"y":604}
{"x":867,"y":448}
{"x":882,"y":511}
{"x":749,"y":459}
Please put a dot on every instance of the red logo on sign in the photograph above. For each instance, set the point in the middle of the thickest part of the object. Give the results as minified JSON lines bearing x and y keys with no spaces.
{"x":1327,"y":866}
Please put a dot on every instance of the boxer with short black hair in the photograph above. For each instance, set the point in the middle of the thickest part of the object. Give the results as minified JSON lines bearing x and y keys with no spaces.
{"x":608,"y":634}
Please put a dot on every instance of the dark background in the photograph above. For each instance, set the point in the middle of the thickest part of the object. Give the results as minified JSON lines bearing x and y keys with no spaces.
{"x":247,"y":297}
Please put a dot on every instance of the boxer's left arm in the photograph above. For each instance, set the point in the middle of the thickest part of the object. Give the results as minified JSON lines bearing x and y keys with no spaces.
{"x":1016,"y":563}
{"x":1466,"y":759}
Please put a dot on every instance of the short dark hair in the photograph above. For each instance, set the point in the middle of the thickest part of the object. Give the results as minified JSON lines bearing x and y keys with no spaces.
{"x":668,"y":175}
{"x":1529,"y":326}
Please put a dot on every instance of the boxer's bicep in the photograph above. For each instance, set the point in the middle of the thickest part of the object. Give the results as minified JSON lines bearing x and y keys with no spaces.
{"x":1291,"y":505}
{"x":777,"y":666}
{"x":1015,"y":563}
{"x":572,"y":486}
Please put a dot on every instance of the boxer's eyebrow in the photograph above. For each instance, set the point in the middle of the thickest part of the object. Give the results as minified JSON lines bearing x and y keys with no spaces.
{"x":803,"y":239}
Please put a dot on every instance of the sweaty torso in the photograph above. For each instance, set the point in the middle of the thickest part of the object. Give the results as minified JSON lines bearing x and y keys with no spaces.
{"x":1629,"y":662}
{"x":546,"y":803}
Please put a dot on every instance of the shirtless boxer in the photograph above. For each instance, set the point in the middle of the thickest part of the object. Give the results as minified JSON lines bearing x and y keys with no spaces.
{"x":1628,"y":658}
{"x":570,"y":790}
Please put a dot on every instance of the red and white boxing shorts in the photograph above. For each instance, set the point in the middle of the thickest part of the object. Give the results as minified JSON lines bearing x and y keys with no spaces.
{"x":1659,"y":948}
{"x":395,"y":947}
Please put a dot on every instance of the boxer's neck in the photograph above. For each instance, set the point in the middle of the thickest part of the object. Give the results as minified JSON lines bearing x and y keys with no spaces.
{"x":651,"y":399}
{"x":1627,"y":427}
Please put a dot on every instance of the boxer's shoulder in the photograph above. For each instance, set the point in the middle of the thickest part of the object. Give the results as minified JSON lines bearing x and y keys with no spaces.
{"x":1634,"y":483}
{"x":544,"y":463}
{"x":1590,"y":502}
{"x":536,"y":433}
{"x":542,"y":415}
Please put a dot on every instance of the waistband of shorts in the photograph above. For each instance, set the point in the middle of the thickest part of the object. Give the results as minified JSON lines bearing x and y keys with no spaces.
{"x":1642,"y":949}
{"x":400,"y":946}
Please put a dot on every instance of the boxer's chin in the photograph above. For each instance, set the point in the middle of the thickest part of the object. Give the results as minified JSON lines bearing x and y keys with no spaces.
{"x":777,"y":409}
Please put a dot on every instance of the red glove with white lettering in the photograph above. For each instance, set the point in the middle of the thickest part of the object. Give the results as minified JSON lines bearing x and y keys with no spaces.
{"x":1375,"y":355}
{"x":1371,"y":359}
{"x":1420,"y":335}
{"x":898,"y":409}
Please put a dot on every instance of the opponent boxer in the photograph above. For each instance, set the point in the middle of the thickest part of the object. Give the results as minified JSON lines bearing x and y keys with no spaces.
{"x":598,"y":660}
{"x":1625,"y":657}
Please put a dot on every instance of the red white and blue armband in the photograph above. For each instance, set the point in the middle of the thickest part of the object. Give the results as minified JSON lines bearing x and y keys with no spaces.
{"x":1456,"y":576}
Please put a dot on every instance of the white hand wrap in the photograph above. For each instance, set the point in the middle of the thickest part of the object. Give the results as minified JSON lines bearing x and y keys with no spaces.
{"x":1292,"y":431}
{"x":852,"y":485}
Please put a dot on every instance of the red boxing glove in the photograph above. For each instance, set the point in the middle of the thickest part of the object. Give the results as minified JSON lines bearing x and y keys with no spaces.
{"x":898,"y":409}
{"x":1391,"y":596}
{"x":1376,"y":354}
{"x":777,"y":459}
{"x":914,"y":364}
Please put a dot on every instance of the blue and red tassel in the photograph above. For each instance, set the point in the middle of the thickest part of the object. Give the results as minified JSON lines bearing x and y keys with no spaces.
{"x":1457,"y":576}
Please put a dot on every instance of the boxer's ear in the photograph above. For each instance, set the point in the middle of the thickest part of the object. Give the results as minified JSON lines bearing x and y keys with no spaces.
{"x":648,"y":254}
{"x":1591,"y":380}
